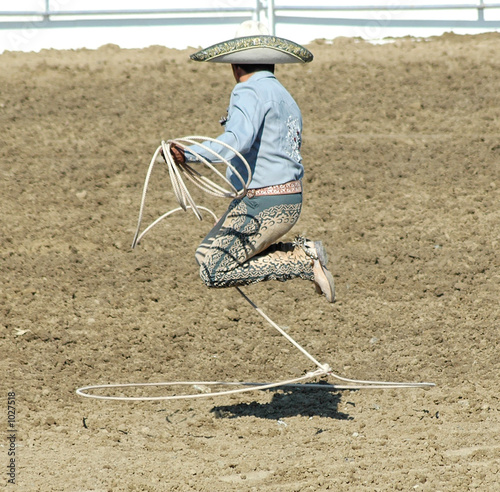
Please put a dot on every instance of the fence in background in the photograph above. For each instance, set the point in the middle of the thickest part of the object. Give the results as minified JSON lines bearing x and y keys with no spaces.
{"x":264,"y":10}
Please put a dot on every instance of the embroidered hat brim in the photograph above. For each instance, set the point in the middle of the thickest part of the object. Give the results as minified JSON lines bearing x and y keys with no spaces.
{"x":268,"y":50}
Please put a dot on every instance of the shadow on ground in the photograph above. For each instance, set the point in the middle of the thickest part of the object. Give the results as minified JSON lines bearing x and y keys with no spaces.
{"x":290,"y":402}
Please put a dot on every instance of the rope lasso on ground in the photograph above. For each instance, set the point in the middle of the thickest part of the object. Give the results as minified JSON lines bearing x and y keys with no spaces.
{"x":186,"y":202}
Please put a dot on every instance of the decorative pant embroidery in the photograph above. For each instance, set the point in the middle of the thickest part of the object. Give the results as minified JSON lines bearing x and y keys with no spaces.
{"x":242,"y":249}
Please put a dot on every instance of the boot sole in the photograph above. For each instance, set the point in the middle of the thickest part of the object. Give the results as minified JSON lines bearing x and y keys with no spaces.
{"x":323,"y":260}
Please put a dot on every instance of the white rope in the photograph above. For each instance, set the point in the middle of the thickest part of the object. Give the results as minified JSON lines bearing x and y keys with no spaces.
{"x":252,"y":387}
{"x":291,"y":383}
{"x":185,"y":201}
{"x":324,"y":367}
{"x":181,"y":192}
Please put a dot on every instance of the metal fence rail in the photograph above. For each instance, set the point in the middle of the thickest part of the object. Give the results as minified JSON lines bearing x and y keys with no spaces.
{"x":480,"y":22}
{"x":264,"y":10}
{"x":49,"y":18}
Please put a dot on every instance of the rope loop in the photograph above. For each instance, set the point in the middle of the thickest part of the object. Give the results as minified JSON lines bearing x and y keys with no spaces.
{"x":177,"y":170}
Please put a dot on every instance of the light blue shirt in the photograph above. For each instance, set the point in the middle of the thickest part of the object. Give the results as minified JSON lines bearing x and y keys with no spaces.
{"x":264,"y":124}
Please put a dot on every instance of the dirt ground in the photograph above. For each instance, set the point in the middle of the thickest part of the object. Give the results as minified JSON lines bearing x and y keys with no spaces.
{"x":402,"y":154}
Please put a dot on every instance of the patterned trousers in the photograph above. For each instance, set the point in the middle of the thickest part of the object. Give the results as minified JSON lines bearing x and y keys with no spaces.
{"x":241,"y":249}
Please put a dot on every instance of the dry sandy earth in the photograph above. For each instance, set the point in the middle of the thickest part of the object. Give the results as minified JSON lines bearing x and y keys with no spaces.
{"x":402,"y":149}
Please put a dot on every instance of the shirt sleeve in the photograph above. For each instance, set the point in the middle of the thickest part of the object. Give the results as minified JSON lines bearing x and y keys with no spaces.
{"x":242,"y":126}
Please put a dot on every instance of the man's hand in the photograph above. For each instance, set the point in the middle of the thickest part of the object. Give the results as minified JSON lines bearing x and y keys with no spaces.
{"x":177,"y":154}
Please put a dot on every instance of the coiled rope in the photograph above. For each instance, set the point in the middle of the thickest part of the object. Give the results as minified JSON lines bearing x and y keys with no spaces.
{"x":181,"y":192}
{"x":186,"y":202}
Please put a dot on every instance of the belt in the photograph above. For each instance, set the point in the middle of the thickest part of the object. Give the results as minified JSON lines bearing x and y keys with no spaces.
{"x":282,"y":189}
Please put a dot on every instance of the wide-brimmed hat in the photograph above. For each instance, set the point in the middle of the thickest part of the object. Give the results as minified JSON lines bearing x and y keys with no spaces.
{"x":254,"y":45}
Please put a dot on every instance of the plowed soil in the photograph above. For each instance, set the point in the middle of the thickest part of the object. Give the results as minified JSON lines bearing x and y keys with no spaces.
{"x":402,"y":155}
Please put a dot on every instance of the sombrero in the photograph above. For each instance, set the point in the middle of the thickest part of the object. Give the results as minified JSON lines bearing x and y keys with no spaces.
{"x":254,"y":45}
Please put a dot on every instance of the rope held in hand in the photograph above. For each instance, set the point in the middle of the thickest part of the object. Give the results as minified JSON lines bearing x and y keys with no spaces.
{"x":181,"y":192}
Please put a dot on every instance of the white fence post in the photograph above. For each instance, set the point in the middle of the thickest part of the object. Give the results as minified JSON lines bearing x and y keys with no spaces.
{"x":256,"y":12}
{"x":46,"y":17}
{"x":480,"y":11}
{"x":270,"y":17}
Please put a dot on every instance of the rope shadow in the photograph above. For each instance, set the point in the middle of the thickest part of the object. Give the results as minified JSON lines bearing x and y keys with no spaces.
{"x":288,"y":402}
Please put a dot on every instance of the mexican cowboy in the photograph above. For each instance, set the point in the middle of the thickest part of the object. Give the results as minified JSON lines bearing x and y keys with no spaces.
{"x":264,"y":124}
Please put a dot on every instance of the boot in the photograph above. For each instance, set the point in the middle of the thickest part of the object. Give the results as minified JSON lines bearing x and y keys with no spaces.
{"x":323,"y":279}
